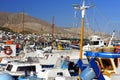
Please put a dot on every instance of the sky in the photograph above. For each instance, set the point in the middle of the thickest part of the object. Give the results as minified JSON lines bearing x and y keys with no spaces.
{"x":107,"y":12}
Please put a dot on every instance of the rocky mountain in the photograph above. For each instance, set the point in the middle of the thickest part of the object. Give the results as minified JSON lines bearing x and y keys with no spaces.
{"x":14,"y":21}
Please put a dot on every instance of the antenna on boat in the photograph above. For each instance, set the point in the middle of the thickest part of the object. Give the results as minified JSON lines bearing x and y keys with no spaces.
{"x":110,"y":42}
{"x":83,"y":9}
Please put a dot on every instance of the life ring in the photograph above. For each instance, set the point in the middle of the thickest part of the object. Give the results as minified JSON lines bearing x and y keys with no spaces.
{"x":8,"y":50}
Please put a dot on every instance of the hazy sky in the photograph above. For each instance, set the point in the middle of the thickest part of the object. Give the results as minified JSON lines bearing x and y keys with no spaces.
{"x":107,"y":12}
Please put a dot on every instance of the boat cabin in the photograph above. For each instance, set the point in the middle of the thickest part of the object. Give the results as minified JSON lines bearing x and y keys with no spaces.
{"x":96,"y":41}
{"x":19,"y":68}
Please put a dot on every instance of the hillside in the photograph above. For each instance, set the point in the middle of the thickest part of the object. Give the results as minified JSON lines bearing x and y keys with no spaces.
{"x":34,"y":25}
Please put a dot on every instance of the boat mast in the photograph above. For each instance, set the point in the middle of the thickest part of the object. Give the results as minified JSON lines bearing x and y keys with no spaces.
{"x":23,"y":24}
{"x":83,"y":9}
{"x":52,"y":44}
{"x":82,"y":29}
{"x":52,"y":29}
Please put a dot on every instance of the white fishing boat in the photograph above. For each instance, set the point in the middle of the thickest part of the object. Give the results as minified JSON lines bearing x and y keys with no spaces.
{"x":95,"y":42}
{"x":18,"y":68}
{"x":25,"y":68}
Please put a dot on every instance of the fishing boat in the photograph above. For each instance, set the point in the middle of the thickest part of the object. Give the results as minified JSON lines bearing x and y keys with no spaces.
{"x":95,"y":42}
{"x":25,"y":68}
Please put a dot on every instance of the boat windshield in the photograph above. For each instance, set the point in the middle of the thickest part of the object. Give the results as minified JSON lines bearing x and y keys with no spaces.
{"x":107,"y":64}
{"x":47,"y":66}
{"x":94,"y":43}
{"x":9,"y":67}
{"x":26,"y":68}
